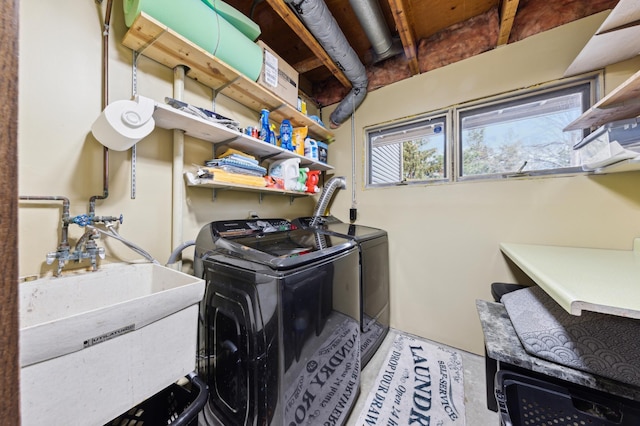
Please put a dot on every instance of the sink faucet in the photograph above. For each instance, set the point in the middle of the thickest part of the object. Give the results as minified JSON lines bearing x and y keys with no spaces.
{"x":61,"y":254}
{"x":87,"y":248}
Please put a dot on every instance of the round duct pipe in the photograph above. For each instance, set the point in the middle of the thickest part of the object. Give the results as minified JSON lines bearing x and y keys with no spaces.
{"x":318,"y":19}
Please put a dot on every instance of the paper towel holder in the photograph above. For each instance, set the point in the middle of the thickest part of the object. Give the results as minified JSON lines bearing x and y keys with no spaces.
{"x":124,"y":123}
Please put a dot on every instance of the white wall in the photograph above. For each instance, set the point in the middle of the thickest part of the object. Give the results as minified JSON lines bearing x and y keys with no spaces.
{"x":444,"y":239}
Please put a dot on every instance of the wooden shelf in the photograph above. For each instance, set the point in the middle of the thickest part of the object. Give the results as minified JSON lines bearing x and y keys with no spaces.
{"x":154,"y":40}
{"x":623,"y":102}
{"x":170,"y":118}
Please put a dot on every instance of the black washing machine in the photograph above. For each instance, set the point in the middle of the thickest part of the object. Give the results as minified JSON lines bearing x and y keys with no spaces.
{"x":279,"y":342}
{"x":373,"y":246}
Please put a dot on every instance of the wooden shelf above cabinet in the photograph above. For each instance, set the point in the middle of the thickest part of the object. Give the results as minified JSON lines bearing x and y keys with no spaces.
{"x":171,"y":118}
{"x":623,"y":102}
{"x":155,"y":40}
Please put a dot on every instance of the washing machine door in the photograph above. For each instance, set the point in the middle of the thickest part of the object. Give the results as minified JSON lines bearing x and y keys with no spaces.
{"x":230,"y":381}
{"x":241,"y":343}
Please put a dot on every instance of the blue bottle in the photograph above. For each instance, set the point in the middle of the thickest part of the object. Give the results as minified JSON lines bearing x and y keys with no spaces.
{"x":264,"y":125}
{"x":285,"y":135}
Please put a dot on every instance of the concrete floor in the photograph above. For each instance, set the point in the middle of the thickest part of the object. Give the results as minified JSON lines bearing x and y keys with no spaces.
{"x":476,"y":410}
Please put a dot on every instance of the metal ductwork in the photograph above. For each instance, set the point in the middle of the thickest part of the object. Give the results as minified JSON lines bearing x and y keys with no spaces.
{"x":318,"y":19}
{"x":336,"y":182}
{"x":372,"y":21}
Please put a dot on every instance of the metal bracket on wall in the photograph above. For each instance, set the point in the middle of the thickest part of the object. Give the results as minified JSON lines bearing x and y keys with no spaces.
{"x":134,"y":92}
{"x":219,"y":90}
{"x":223,"y":143}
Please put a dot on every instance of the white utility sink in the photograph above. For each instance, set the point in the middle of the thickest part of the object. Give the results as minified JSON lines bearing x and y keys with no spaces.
{"x":94,"y":344}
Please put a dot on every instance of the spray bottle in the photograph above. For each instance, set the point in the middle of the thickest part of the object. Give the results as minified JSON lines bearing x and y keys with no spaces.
{"x":264,"y":125}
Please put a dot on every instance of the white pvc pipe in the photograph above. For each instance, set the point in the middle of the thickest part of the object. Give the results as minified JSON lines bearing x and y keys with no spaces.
{"x":177,"y":201}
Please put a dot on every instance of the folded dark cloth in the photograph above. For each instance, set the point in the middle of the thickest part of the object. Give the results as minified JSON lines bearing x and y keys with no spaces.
{"x":606,"y":345}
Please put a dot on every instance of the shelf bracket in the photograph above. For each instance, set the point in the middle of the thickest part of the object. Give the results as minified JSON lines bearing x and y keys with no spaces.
{"x":279,"y":107}
{"x":134,"y":93}
{"x":150,"y":42}
{"x":225,"y":142}
{"x":260,"y":197}
{"x":266,"y":157}
{"x":214,"y":194}
{"x":219,"y":90}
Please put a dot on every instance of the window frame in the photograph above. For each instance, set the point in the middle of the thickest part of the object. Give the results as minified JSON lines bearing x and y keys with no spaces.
{"x":390,"y":126}
{"x":452,"y":130}
{"x":595,"y":82}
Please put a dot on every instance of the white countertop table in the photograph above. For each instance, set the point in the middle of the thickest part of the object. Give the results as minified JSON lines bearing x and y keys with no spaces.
{"x":598,"y":280}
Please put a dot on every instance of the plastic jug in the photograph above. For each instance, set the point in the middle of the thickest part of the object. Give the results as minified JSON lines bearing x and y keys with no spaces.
{"x":287,"y":170}
{"x":313,"y":176}
{"x":311,"y":149}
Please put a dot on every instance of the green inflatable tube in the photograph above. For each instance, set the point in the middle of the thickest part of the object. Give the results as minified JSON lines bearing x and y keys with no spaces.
{"x":245,"y":25}
{"x":200,"y":24}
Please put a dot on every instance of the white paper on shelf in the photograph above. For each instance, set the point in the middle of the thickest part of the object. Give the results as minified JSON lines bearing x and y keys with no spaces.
{"x":614,"y":153}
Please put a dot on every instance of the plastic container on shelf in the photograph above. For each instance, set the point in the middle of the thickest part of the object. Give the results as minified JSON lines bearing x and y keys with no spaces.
{"x":264,"y":125}
{"x":323,"y":151}
{"x":313,"y":177}
{"x":311,"y":149}
{"x":297,"y":139}
{"x":609,"y":144}
{"x":287,"y":170}
{"x":285,"y":135}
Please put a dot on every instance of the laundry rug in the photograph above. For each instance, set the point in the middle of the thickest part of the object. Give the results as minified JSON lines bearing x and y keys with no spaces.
{"x":419,"y":384}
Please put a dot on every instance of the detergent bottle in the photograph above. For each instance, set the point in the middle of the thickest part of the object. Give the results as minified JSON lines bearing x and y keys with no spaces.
{"x":313,"y":176}
{"x":285,"y":135}
{"x":311,"y":149}
{"x":287,"y":170}
{"x":302,"y":179}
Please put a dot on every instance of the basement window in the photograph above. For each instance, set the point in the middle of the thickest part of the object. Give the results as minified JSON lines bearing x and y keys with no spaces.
{"x":523,"y":135}
{"x":407,"y":152}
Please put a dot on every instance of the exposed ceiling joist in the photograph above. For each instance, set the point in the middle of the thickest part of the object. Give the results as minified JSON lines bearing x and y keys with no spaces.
{"x":298,"y":27}
{"x":508,"y":10}
{"x":307,"y":64}
{"x":402,"y":16}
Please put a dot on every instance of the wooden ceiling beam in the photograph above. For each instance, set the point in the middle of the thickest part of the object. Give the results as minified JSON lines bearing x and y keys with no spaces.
{"x":298,"y":27}
{"x":402,"y":18}
{"x":508,"y":10}
{"x":307,"y":64}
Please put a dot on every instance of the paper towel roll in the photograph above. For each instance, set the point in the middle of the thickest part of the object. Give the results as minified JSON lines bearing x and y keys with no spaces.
{"x":124,"y":123}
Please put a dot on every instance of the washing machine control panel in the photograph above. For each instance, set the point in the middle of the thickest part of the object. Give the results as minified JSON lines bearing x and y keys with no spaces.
{"x":241,"y":228}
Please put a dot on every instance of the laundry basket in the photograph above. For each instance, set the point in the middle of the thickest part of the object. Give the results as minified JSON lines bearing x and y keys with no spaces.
{"x":175,"y":405}
{"x":529,"y":401}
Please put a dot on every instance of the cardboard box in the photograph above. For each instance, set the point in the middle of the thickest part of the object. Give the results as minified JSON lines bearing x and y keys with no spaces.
{"x":278,"y":76}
